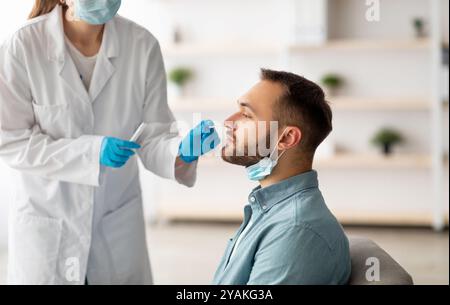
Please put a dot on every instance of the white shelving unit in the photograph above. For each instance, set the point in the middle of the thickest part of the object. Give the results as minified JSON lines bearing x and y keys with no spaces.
{"x":242,"y":49}
{"x":362,"y":45}
{"x":382,"y":104}
{"x":436,"y":117}
{"x":220,"y":49}
{"x":337,"y":103}
{"x":430,"y":160}
{"x":363,"y":161}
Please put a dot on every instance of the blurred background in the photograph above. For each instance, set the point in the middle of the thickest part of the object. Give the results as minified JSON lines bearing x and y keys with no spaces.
{"x":384,"y":66}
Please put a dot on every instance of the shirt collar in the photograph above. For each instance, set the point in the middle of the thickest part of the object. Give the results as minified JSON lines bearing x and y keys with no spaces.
{"x":265,"y":198}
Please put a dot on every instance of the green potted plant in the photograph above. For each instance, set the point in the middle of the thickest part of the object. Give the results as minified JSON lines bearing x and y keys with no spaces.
{"x":332,"y":83}
{"x":386,"y":138}
{"x":179,"y":77}
{"x":419,"y":27}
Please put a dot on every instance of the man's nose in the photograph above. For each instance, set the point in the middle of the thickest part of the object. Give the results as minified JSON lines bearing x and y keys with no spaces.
{"x":230,"y":122}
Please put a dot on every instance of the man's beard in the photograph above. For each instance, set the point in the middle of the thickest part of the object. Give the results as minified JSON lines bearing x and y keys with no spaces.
{"x":243,"y":159}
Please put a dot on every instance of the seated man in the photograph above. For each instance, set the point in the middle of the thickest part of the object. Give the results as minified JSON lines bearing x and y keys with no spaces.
{"x":288,"y":236}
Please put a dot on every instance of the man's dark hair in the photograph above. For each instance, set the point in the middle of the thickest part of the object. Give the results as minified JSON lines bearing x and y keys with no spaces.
{"x":303,"y":105}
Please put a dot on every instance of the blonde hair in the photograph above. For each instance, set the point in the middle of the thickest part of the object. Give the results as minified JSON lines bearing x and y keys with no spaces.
{"x":42,"y":7}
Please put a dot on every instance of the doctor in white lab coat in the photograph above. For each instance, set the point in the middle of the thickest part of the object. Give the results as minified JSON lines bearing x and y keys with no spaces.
{"x":73,"y":220}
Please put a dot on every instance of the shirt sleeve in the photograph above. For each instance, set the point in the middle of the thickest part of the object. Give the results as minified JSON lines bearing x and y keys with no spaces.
{"x":294,"y":255}
{"x":161,"y":139}
{"x":23,"y":145}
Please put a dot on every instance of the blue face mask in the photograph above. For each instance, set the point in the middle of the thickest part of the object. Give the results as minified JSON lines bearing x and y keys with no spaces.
{"x":96,"y":11}
{"x":264,"y":167}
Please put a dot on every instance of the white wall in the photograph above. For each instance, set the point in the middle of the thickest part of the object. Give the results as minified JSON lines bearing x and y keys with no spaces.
{"x":395,"y":16}
{"x":12,"y":15}
{"x":369,"y":73}
{"x":209,"y":21}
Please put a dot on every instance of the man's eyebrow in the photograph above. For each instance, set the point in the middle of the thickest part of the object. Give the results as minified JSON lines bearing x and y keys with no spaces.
{"x":246,"y":105}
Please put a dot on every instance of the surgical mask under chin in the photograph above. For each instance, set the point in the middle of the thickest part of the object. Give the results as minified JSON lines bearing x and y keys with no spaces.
{"x":264,"y":167}
{"x":96,"y":11}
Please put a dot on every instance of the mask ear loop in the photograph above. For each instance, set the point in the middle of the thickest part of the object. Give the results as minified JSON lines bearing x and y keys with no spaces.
{"x":282,"y":153}
{"x":275,"y":149}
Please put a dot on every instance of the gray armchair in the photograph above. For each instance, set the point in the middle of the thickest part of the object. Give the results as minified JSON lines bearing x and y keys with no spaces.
{"x":391,"y":273}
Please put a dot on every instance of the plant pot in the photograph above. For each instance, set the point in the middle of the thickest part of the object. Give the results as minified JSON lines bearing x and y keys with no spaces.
{"x":175,"y":92}
{"x":420,"y":33}
{"x":419,"y":28}
{"x":387,"y":149}
{"x":330,"y":91}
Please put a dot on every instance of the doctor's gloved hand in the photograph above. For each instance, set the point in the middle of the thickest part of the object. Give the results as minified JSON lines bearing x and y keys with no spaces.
{"x":200,"y":140}
{"x":115,"y":153}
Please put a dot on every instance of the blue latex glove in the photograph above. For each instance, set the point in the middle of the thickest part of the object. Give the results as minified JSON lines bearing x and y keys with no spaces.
{"x":115,"y":153}
{"x":200,"y":140}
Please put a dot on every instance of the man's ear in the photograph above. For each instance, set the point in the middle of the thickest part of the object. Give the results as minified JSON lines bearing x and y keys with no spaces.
{"x":291,"y":138}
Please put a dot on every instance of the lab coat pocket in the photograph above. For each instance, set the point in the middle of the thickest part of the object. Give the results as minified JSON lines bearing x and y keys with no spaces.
{"x":35,"y":250}
{"x":55,"y":120}
{"x":124,"y":232}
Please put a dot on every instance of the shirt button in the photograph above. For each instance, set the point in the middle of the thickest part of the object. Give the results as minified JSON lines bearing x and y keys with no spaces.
{"x":252,"y":199}
{"x":264,"y":207}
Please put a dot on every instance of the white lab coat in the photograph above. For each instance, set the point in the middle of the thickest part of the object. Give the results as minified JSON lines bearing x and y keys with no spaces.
{"x":72,"y":219}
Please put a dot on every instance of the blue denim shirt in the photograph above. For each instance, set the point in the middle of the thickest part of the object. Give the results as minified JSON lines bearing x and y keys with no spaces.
{"x":294,"y":239}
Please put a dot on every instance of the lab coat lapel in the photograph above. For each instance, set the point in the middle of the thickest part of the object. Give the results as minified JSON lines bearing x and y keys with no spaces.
{"x":104,"y":68}
{"x":102,"y":73}
{"x":72,"y":78}
{"x":57,"y":53}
